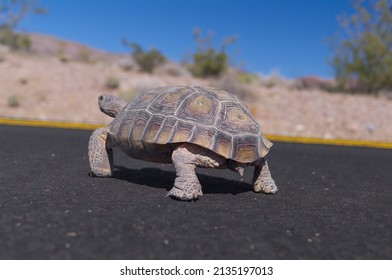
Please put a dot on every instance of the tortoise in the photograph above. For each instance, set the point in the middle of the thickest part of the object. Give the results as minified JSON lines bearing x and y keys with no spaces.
{"x":189,"y":126}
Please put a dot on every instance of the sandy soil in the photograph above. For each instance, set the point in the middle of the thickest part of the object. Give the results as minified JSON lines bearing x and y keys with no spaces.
{"x":46,"y":88}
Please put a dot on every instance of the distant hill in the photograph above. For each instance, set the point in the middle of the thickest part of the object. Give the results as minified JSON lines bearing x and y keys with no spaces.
{"x":49,"y":45}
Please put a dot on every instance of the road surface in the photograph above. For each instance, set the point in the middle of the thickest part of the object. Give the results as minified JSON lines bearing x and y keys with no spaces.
{"x":333,"y":203}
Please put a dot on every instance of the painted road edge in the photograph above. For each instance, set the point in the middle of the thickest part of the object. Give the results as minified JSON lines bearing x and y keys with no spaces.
{"x":273,"y":138}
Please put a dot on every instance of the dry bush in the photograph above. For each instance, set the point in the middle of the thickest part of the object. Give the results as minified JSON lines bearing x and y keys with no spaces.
{"x":172,"y":69}
{"x":62,"y":56}
{"x":13,"y":101}
{"x":230,"y":83}
{"x":127,"y":63}
{"x":275,"y":80}
{"x":311,"y":82}
{"x":247,"y":78}
{"x":84,"y":55}
{"x":112,"y":83}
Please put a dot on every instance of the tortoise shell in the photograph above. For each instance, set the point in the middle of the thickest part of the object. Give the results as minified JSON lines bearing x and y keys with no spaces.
{"x":209,"y":117}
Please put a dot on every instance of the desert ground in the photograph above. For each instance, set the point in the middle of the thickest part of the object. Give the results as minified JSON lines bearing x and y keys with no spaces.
{"x":62,"y":81}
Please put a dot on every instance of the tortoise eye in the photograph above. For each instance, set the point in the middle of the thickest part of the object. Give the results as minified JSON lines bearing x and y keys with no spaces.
{"x":100,"y":98}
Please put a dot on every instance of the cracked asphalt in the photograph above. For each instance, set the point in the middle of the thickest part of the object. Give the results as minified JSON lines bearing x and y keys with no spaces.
{"x":333,"y":203}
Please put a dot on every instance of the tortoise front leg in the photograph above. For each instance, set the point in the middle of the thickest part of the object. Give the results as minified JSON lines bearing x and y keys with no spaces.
{"x":262,"y":180}
{"x":185,"y":158}
{"x":99,"y":154}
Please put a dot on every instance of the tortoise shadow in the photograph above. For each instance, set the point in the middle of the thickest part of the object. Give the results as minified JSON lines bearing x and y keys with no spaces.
{"x":163,"y":179}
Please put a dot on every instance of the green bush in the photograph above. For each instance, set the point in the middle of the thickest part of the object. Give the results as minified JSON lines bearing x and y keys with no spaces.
{"x":15,"y":41}
{"x":11,"y":14}
{"x":207,"y":61}
{"x":13,"y":101}
{"x":363,"y":59}
{"x":246,"y":78}
{"x":147,"y":60}
{"x":112,"y":83}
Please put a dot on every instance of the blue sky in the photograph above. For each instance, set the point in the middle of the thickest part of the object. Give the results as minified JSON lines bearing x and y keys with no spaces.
{"x":287,"y":36}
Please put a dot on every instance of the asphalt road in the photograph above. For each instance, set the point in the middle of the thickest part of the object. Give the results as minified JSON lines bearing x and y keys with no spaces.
{"x":333,"y":203}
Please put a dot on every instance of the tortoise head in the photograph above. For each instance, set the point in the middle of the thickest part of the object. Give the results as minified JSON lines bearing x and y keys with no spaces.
{"x":111,"y":105}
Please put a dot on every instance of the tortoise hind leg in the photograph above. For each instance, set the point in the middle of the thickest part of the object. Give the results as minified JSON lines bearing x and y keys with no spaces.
{"x":186,"y":158}
{"x":262,"y":180}
{"x":100,"y":154}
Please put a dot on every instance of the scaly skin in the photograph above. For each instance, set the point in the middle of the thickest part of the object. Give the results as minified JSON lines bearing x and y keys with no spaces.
{"x":262,"y":180}
{"x":186,"y":158}
{"x":99,"y":154}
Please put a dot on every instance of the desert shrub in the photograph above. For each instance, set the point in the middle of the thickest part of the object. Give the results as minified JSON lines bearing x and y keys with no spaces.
{"x":270,"y":81}
{"x":84,"y":55}
{"x":11,"y":14}
{"x":313,"y":82}
{"x":23,"y":81}
{"x":112,"y":83}
{"x":13,"y":101}
{"x":172,"y":69}
{"x":15,"y":41}
{"x":230,"y":83}
{"x":276,"y":80}
{"x":22,"y":43}
{"x":207,"y":61}
{"x":126,"y":63}
{"x":246,"y":78}
{"x":61,"y":54}
{"x":363,"y":58}
{"x":147,"y":60}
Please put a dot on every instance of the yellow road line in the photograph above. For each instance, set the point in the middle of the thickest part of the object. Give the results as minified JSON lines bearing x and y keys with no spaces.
{"x":53,"y":124}
{"x":336,"y":142}
{"x":276,"y":138}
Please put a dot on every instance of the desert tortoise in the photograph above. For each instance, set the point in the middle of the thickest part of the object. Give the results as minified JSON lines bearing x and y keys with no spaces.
{"x":188,"y":126}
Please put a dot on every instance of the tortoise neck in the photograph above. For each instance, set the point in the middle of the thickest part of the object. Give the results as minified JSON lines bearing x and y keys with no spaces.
{"x":114,"y":107}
